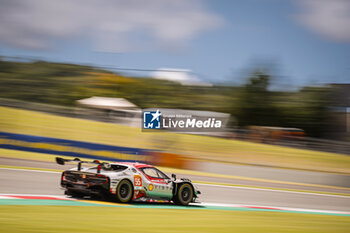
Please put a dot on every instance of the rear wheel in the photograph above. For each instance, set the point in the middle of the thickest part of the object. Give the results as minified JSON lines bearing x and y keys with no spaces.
{"x":124,"y":191}
{"x":184,"y":194}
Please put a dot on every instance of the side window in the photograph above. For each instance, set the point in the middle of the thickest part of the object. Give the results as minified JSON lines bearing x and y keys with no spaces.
{"x":150,"y":172}
{"x":154,"y":173}
{"x":113,"y":167}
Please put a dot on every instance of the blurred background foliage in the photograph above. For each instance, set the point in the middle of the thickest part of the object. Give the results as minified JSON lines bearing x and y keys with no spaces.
{"x":251,"y":104}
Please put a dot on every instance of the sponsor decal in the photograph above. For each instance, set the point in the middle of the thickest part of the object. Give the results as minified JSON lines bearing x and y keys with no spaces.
{"x":136,"y":193}
{"x":150,"y":187}
{"x":137,"y":180}
{"x":113,"y":190}
{"x":113,"y":187}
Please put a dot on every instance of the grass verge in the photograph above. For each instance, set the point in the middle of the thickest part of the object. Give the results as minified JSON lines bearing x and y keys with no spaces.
{"x":108,"y":219}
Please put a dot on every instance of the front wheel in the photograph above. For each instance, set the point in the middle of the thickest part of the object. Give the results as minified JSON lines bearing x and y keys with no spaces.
{"x":124,"y":191}
{"x":184,"y":194}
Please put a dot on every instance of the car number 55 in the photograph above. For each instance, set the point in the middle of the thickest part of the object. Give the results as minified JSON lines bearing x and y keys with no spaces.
{"x":137,"y":180}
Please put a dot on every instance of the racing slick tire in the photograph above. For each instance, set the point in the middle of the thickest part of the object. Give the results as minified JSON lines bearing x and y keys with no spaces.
{"x":184,"y":194}
{"x":124,"y":191}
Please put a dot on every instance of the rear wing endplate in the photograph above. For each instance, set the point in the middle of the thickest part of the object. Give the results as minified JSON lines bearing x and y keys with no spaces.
{"x":62,"y":161}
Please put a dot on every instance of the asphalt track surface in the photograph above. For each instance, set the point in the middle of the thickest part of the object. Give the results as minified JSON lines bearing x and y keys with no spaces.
{"x":18,"y":181}
{"x":234,"y":181}
{"x":263,"y":172}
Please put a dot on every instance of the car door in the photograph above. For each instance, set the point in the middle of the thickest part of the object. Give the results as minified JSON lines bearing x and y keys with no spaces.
{"x":160,"y":185}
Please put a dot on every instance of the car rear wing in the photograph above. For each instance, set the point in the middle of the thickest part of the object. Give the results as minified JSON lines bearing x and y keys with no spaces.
{"x":62,"y":161}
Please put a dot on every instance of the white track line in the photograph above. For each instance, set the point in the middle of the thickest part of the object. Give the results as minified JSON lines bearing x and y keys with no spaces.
{"x":27,"y":170}
{"x":212,"y":185}
{"x":24,"y":196}
{"x":271,"y":207}
{"x":6,"y":197}
{"x":273,"y":190}
{"x":36,"y":195}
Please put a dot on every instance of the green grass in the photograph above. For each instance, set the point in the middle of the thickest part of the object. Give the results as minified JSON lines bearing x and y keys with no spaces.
{"x":109,"y":219}
{"x":194,"y":147}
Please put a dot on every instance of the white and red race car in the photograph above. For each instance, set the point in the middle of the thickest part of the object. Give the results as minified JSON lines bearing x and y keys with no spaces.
{"x":126,"y":182}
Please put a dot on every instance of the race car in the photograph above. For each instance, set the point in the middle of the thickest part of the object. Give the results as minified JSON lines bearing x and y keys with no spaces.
{"x":125,"y":182}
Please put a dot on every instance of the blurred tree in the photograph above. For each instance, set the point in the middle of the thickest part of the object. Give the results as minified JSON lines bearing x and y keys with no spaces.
{"x":5,"y":67}
{"x":251,"y":104}
{"x":312,"y":111}
{"x":255,"y":104}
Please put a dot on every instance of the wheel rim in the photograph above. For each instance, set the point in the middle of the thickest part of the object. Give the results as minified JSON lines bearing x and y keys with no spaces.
{"x":124,"y":191}
{"x":186,"y":194}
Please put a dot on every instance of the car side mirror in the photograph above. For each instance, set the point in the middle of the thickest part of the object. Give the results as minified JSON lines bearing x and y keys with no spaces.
{"x":173,"y":176}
